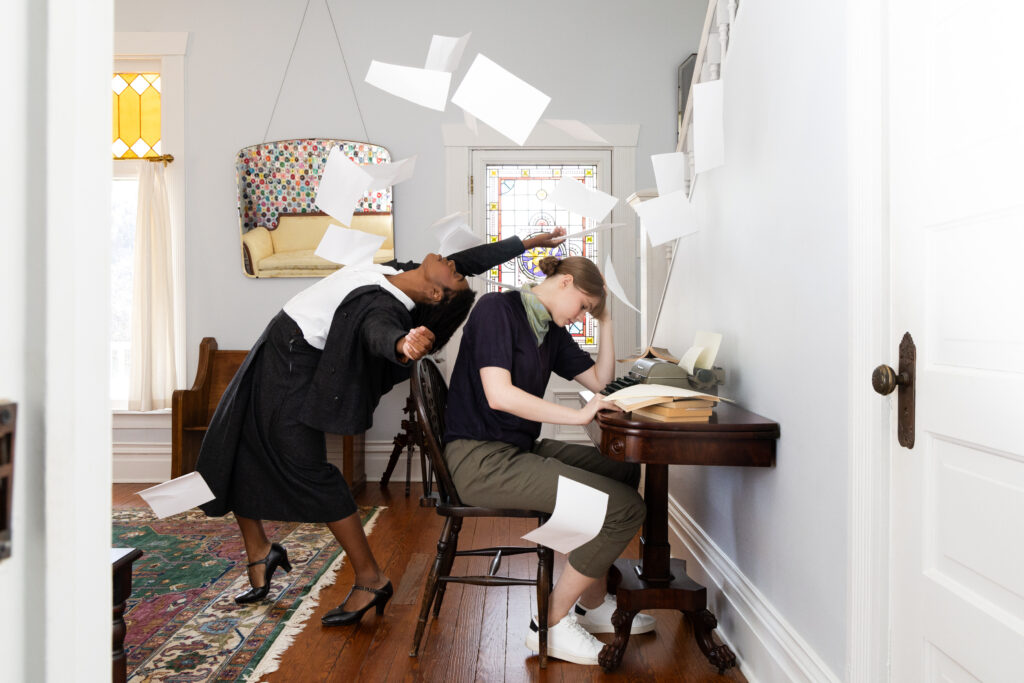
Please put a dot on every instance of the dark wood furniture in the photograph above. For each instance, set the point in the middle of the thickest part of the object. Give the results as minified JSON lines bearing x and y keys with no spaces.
{"x":191,"y":410}
{"x":409,"y":439}
{"x":121,"y":559}
{"x":430,"y":394}
{"x":734,"y":437}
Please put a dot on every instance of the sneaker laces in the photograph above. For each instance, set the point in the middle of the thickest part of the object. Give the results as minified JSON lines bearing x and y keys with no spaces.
{"x":577,"y":628}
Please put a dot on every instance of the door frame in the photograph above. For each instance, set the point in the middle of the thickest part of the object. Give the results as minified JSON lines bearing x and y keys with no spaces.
{"x":869,"y":618}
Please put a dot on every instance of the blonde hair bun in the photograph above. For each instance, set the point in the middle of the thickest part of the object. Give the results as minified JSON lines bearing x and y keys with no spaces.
{"x":549,"y":265}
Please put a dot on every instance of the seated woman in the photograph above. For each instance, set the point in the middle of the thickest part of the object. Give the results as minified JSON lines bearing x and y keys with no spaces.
{"x":322,"y":365}
{"x":510,"y":346}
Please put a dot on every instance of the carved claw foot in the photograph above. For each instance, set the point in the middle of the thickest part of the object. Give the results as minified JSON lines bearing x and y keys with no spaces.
{"x":611,"y":654}
{"x":720,"y":656}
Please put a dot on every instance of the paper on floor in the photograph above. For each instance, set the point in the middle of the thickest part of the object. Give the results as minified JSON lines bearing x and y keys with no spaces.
{"x":577,"y":518}
{"x":573,"y":195}
{"x":348,"y":247}
{"x":445,"y":52}
{"x":425,"y":87}
{"x":666,"y":218}
{"x":669,"y":172}
{"x":177,"y":495}
{"x":577,"y":129}
{"x":500,"y":99}
{"x":612,"y":282}
{"x":342,"y":184}
{"x":708,"y":126}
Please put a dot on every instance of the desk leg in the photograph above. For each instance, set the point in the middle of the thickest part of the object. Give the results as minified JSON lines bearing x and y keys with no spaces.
{"x":704,"y":622}
{"x":655,"y":550}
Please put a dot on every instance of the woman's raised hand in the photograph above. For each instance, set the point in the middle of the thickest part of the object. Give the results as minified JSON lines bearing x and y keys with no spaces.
{"x":546,"y":239}
{"x":416,"y":344}
{"x":598,"y":402}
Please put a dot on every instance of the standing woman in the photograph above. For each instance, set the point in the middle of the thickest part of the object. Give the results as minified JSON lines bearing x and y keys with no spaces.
{"x":321,"y":366}
{"x":510,"y":346}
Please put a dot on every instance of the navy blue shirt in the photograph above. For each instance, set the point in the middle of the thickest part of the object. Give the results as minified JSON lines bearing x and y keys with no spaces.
{"x":498,"y":335}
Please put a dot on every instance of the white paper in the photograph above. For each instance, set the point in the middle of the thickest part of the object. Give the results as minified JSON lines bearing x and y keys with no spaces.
{"x":708,"y":126}
{"x":710,"y":341}
{"x":573,"y":195}
{"x":177,"y":495}
{"x":348,"y":247}
{"x":577,"y":129}
{"x":591,"y":231}
{"x":458,"y":239}
{"x":503,"y":285}
{"x":443,"y":227}
{"x":577,"y":518}
{"x":445,"y":52}
{"x":470,"y":121}
{"x":669,"y":172}
{"x":689,"y":359}
{"x":611,"y":281}
{"x":500,"y":99}
{"x":421,"y":86}
{"x":388,"y":174}
{"x":637,"y":391}
{"x":666,"y":218}
{"x":342,"y":185}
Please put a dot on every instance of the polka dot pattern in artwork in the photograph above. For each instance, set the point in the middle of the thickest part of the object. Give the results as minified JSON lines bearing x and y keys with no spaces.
{"x":282,"y":177}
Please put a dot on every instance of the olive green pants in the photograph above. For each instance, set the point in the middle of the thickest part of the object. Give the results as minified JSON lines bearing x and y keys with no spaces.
{"x":495,"y":474}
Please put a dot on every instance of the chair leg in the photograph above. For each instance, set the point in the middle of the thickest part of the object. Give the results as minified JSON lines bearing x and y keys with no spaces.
{"x":545,"y":559}
{"x":430,"y":589}
{"x":449,"y":560}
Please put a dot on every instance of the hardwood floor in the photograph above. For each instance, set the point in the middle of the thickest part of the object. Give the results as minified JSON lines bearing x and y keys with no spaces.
{"x":480,"y":632}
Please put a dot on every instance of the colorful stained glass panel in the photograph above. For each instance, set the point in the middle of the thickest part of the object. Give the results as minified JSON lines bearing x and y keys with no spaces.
{"x":136,"y":129}
{"x":518,"y":203}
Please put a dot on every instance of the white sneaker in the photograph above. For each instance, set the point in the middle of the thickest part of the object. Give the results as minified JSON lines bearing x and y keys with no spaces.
{"x":599,"y":619}
{"x":567,"y":640}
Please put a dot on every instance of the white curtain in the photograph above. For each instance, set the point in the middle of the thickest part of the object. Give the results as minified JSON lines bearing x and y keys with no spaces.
{"x":153,"y":370}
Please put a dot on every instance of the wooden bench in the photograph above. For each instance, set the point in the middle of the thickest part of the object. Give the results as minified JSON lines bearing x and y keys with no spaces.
{"x":192,"y":409}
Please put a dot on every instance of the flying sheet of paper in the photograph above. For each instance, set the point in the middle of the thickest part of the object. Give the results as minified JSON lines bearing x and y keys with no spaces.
{"x":642,"y":390}
{"x":612,"y":282}
{"x":445,"y":52}
{"x":342,"y":184}
{"x":666,"y":218}
{"x":709,"y":342}
{"x":348,"y":247}
{"x":669,"y":172}
{"x":500,"y":99}
{"x":577,"y":129}
{"x":577,"y":518}
{"x":591,"y":230}
{"x":443,"y":227}
{"x":386,"y":175}
{"x":708,"y":126}
{"x":177,"y":495}
{"x":422,"y":86}
{"x":503,"y":285}
{"x":470,"y":121}
{"x":458,"y":239}
{"x":689,"y":360}
{"x":573,"y":195}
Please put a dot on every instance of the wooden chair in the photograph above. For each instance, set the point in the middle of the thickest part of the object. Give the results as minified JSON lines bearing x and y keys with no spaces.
{"x":191,"y":409}
{"x":430,"y":394}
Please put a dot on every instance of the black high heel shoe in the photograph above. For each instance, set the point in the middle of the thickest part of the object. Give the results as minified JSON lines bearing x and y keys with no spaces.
{"x":276,"y":557}
{"x":339,"y":617}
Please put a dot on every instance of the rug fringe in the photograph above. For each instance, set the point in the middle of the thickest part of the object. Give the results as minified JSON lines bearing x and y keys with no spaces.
{"x":272,"y":659}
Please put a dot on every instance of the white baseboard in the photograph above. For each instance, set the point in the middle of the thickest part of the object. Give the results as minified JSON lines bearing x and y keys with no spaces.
{"x":141,"y":462}
{"x":767,"y":647}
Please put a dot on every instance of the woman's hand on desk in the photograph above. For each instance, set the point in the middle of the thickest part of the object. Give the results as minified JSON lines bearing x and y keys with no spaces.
{"x":598,"y":402}
{"x":415,"y":345}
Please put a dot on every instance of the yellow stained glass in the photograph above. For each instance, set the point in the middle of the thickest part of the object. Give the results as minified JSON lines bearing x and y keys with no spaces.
{"x":136,"y":114}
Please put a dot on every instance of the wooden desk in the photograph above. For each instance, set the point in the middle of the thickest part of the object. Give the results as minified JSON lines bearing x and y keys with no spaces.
{"x":121,"y":559}
{"x":733,"y":437}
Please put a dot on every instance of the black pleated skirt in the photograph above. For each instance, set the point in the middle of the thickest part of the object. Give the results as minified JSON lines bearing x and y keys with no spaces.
{"x":279,"y":467}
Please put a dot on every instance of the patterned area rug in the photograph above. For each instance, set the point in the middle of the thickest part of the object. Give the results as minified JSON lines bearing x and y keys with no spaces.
{"x":183,"y":623}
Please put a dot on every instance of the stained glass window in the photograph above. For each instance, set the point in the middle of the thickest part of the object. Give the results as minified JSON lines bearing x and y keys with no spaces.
{"x":518,"y":203}
{"x":136,"y":115}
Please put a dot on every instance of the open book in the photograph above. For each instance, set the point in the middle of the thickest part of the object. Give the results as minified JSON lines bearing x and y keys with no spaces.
{"x":664,"y":403}
{"x":652,"y":352}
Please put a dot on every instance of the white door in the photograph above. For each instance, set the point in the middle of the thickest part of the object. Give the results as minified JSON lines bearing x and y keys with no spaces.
{"x":956,"y":131}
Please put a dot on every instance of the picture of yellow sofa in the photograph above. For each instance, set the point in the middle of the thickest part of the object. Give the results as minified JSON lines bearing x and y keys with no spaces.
{"x":288,"y":250}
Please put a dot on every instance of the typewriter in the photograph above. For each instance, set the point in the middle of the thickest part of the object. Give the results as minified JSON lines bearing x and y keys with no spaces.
{"x":657,"y":371}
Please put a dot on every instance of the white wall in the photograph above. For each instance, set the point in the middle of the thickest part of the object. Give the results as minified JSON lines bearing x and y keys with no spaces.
{"x":768,"y":270}
{"x":603,"y":62}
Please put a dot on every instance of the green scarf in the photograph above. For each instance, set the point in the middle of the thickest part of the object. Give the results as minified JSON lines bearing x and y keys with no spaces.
{"x":535,"y":313}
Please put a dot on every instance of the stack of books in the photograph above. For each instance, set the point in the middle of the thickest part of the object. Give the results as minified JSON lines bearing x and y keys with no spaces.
{"x":664,"y":403}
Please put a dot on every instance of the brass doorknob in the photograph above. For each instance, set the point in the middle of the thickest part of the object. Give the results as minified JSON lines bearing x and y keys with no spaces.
{"x":885,"y":380}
